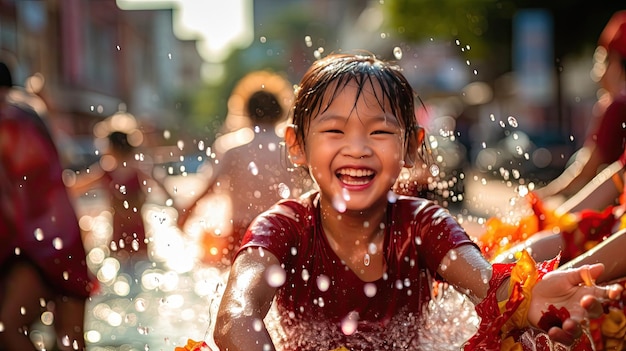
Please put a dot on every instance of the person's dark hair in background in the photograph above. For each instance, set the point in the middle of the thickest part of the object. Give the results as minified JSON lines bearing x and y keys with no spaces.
{"x":263,"y":106}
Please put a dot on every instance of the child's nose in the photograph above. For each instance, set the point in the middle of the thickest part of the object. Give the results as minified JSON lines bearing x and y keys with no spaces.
{"x":358,"y":146}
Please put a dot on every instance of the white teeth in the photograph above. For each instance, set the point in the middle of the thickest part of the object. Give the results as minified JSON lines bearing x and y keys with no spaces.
{"x":356,"y":172}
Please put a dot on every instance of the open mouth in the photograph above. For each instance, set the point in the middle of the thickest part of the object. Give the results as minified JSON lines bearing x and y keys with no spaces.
{"x":355,"y":176}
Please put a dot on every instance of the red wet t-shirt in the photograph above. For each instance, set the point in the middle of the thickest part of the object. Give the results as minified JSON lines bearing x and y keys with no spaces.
{"x":323,"y":305}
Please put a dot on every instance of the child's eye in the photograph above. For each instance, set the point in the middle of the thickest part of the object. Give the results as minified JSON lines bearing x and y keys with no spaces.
{"x":333,"y":131}
{"x":382,"y":132}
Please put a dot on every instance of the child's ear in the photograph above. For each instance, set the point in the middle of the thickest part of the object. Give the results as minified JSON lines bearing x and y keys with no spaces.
{"x":294,"y":149}
{"x":415,"y":142}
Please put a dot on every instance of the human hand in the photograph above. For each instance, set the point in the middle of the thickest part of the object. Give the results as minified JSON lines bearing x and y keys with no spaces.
{"x":575,"y":291}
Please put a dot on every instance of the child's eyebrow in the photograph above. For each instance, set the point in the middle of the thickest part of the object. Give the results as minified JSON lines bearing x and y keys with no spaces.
{"x":385,"y":118}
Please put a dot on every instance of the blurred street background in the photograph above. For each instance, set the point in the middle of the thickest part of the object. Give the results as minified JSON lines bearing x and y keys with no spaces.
{"x":509,"y":86}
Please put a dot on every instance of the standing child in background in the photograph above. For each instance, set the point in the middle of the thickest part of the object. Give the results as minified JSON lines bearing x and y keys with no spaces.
{"x":250,"y":172}
{"x":352,"y":265}
{"x":124,"y":175}
{"x":43,"y":268}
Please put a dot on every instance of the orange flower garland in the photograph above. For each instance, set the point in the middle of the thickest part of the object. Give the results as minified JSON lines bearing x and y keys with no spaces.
{"x":501,"y":236}
{"x":193,"y":345}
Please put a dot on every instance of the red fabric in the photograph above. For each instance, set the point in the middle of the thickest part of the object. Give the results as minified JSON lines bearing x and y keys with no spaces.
{"x":610,"y":135}
{"x":491,"y":321}
{"x":40,"y":204}
{"x":593,"y":227}
{"x":126,"y":199}
{"x":489,"y":335}
{"x":419,"y":234}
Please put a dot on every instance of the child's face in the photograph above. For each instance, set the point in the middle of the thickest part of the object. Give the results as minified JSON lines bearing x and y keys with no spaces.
{"x":354,"y":151}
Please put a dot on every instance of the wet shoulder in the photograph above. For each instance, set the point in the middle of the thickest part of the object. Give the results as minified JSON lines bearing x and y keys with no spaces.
{"x":299,"y":210}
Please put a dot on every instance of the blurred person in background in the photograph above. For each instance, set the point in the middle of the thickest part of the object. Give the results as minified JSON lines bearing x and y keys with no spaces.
{"x":123,"y":174}
{"x":43,"y":271}
{"x":250,"y":172}
{"x":608,"y":137}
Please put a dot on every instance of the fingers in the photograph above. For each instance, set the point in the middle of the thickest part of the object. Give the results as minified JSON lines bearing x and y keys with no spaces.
{"x":588,"y":274}
{"x":568,"y":333}
{"x":592,"y":305}
{"x":615,"y":291}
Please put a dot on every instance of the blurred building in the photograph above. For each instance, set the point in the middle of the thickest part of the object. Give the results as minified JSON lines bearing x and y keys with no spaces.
{"x":94,"y":56}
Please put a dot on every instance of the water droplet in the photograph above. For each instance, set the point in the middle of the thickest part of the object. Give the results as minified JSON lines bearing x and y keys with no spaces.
{"x":453,"y":255}
{"x":372,"y":248}
{"x":323,"y":283}
{"x":434,"y":170}
{"x":369,"y":289}
{"x":308,"y":41}
{"x":39,"y":234}
{"x":253,"y":168}
{"x":392,"y":197}
{"x":135,"y":245}
{"x":339,"y":204}
{"x":257,"y":325}
{"x":366,"y":260}
{"x":305,"y":275}
{"x":349,"y":323}
{"x":47,"y":318}
{"x":275,"y":276}
{"x":397,"y":53}
{"x":283,"y":191}
{"x":140,"y":305}
{"x":57,"y":243}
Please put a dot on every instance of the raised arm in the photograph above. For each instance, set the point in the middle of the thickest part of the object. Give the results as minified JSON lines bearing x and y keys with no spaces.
{"x":246,"y":301}
{"x":602,"y":191}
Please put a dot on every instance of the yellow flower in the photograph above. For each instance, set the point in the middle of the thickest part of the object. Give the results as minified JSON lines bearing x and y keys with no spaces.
{"x":614,"y":329}
{"x":525,"y":274}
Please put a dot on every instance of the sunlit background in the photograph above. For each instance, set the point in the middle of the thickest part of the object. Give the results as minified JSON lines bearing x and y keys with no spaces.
{"x":508,"y":85}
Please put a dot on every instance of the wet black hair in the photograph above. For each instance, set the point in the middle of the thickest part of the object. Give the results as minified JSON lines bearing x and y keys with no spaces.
{"x":325,"y":79}
{"x":263,"y":106}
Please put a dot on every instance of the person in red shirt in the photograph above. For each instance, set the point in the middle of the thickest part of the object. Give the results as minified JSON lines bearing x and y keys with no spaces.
{"x":351,"y":265}
{"x":42,"y":258}
{"x":607,"y":139}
